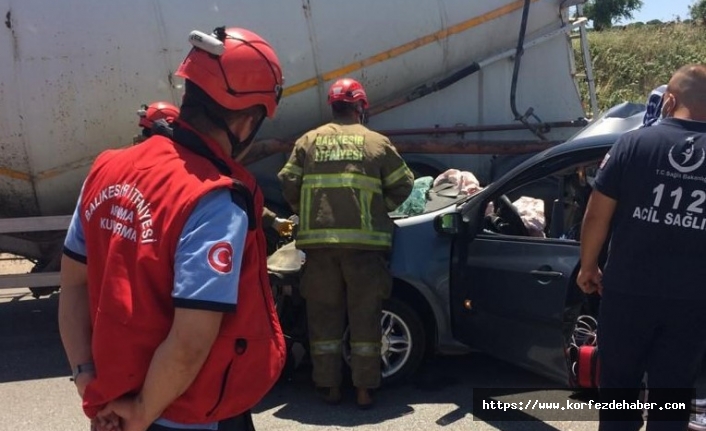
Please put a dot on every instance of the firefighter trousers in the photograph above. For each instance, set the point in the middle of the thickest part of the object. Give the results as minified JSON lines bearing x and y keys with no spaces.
{"x":340,"y":283}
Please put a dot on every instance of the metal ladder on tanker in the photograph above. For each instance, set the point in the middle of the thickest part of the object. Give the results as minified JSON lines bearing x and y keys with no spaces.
{"x":587,"y":77}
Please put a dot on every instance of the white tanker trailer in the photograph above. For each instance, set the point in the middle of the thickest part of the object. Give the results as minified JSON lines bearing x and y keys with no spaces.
{"x":443,"y":78}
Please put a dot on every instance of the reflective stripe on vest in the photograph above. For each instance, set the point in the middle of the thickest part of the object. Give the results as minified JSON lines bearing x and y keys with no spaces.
{"x":366,"y":349}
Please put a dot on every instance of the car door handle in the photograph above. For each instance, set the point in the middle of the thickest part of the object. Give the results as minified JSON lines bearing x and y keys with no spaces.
{"x":538,"y":273}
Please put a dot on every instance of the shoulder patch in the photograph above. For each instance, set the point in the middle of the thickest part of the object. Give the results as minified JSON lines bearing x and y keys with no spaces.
{"x":604,"y":161}
{"x":220,"y":257}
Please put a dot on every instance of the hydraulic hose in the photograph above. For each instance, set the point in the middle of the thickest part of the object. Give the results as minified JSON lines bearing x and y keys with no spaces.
{"x":537,"y":130}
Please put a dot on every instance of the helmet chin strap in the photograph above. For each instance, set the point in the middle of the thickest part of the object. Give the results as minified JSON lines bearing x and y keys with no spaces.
{"x":239,"y":158}
{"x":236,"y":146}
{"x":242,"y":148}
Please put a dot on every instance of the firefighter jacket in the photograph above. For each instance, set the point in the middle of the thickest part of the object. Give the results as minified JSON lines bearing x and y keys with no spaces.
{"x":343,"y":180}
{"x":134,"y":204}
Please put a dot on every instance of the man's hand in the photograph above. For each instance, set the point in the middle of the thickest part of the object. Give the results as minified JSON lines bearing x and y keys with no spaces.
{"x":124,"y":414}
{"x":590,"y":280}
{"x":594,"y":232}
{"x":109,"y":422}
{"x":283,"y":226}
{"x":82,"y":380}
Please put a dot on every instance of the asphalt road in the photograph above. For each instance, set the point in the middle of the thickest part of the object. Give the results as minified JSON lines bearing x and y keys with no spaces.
{"x":35,"y":393}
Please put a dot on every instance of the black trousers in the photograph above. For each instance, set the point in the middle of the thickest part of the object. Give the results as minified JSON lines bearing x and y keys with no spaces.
{"x":665,"y":338}
{"x":239,"y":423}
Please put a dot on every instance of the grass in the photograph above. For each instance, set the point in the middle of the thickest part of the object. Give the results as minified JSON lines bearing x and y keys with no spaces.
{"x":630,"y":62}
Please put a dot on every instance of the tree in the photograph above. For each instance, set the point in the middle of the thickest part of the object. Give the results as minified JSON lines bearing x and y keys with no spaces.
{"x":698,"y":11}
{"x":604,"y":12}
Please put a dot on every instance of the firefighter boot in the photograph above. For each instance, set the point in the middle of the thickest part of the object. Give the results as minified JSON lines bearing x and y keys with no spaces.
{"x":363,"y":398}
{"x":330,"y":395}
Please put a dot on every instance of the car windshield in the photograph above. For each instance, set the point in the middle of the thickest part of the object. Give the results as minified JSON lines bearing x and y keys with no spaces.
{"x":430,"y":200}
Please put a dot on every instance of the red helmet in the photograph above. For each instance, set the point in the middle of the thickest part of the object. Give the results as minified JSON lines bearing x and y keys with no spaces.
{"x":347,"y":90}
{"x":157,"y":111}
{"x":235,"y":67}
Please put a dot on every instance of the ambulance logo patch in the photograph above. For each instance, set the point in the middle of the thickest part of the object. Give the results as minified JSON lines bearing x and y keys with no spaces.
{"x":220,"y":257}
{"x":682,"y":165}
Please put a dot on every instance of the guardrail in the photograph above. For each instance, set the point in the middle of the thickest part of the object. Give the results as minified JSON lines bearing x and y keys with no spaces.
{"x":32,"y":224}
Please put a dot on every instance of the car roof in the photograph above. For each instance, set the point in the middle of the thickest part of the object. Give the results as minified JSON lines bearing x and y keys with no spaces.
{"x":602,"y":132}
{"x":605,"y":130}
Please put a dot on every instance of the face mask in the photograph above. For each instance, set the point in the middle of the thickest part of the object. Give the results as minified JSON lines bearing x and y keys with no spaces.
{"x":668,"y":104}
{"x":664,"y":113}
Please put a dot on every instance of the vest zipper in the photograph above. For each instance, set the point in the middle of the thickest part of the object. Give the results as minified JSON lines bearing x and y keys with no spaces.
{"x":223,"y":389}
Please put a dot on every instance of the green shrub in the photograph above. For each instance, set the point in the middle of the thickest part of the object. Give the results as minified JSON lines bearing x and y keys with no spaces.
{"x":698,"y":11}
{"x":629,"y":62}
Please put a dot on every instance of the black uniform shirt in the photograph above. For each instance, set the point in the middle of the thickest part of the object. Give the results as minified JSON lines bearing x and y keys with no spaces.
{"x":658,"y":176}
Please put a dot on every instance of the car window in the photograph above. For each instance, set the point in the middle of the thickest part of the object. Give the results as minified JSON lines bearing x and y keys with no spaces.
{"x":549,"y":207}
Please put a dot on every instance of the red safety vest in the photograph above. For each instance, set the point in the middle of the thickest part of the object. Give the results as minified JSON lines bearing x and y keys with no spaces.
{"x":134,"y":204}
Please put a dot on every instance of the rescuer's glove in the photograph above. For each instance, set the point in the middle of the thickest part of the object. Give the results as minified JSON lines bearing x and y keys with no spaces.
{"x":283,"y":226}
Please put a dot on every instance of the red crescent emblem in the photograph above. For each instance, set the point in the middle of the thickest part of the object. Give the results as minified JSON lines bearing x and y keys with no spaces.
{"x":220,"y":257}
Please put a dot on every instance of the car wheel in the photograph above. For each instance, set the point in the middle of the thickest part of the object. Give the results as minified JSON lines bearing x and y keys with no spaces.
{"x":403,"y":341}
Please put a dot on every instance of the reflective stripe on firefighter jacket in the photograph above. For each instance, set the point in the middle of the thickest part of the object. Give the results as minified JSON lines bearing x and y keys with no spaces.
{"x":131,"y":277}
{"x":343,"y":180}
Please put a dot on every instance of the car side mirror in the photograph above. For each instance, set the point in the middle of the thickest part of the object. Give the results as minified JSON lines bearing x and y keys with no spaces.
{"x":448,"y":224}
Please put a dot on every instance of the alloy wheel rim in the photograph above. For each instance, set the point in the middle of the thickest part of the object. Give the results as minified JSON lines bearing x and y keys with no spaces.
{"x":396,"y":344}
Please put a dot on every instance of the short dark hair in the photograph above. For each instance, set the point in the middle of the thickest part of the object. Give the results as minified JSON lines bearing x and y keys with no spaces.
{"x":343,"y":109}
{"x":196,"y":103}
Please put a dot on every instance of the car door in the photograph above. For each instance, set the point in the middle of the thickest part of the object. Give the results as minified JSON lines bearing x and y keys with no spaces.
{"x":509,"y":293}
{"x":515,"y":293}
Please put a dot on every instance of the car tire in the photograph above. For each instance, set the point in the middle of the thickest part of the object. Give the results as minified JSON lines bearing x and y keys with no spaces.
{"x":401,"y":325}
